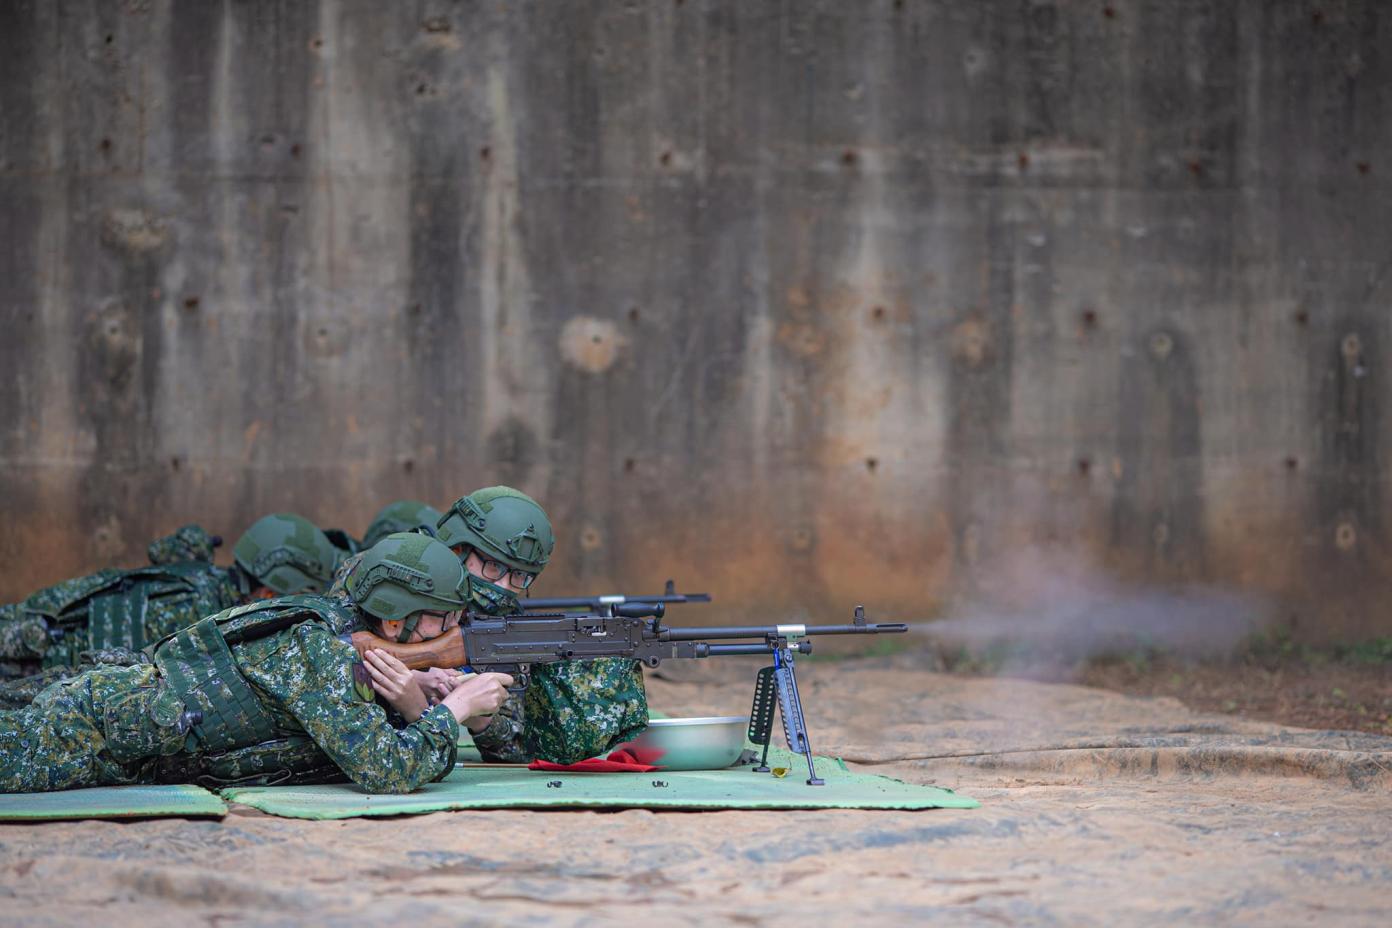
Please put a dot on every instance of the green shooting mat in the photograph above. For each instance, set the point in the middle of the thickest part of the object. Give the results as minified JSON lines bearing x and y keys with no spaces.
{"x":509,"y":787}
{"x":112,"y":802}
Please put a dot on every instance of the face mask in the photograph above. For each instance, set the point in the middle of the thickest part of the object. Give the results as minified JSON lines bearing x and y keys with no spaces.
{"x":490,"y":598}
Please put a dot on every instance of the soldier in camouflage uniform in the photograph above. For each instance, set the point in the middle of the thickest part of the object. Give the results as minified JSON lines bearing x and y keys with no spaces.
{"x":572,"y":709}
{"x":269,"y":677}
{"x":106,"y":616}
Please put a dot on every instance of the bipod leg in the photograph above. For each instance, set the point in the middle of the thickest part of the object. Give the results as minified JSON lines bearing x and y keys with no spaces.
{"x":790,"y":707}
{"x":761,"y":714}
{"x":763,"y":761}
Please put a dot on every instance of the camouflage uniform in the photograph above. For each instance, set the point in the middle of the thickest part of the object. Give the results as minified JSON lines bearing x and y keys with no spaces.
{"x":571,"y":711}
{"x":270,"y":677}
{"x":116,"y":608}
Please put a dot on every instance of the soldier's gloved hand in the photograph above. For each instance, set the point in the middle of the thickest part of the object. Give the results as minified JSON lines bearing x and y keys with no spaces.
{"x":395,"y":683}
{"x":478,"y":695}
{"x":437,"y":682}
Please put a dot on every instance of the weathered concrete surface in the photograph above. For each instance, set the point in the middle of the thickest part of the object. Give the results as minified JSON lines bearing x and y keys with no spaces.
{"x":1065,"y":836}
{"x":806,"y":303}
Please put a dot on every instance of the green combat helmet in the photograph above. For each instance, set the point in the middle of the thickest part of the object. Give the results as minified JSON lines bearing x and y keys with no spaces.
{"x":286,"y":553}
{"x":404,"y":515}
{"x":506,"y":525}
{"x":406,"y":574}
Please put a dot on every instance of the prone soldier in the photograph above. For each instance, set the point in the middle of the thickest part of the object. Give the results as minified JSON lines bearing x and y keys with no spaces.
{"x":106,"y":616}
{"x":573,"y":709}
{"x":260,"y":682}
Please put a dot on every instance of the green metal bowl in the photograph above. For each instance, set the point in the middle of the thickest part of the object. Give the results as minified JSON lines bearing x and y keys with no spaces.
{"x":708,"y":743}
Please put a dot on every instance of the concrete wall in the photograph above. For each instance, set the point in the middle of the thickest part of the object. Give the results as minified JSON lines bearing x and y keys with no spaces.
{"x":807,"y":302}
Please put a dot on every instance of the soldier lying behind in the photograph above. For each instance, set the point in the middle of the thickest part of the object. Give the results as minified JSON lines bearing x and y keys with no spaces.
{"x":573,"y":709}
{"x":117,"y":611}
{"x":260,"y":674}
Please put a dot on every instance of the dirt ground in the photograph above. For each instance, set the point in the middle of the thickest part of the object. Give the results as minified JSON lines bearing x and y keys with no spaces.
{"x":1322,"y":694}
{"x":1097,"y":809}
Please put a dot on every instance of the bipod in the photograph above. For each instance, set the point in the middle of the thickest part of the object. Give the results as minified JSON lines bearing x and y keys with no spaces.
{"x":777,"y":685}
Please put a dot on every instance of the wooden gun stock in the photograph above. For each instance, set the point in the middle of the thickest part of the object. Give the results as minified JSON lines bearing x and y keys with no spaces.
{"x":445,"y":651}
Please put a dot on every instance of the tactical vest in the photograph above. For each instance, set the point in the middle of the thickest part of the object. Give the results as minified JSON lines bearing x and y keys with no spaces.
{"x":197,"y":664}
{"x":116,"y":602}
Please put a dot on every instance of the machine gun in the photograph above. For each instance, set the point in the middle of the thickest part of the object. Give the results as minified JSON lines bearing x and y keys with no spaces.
{"x":510,"y":644}
{"x":605,"y":604}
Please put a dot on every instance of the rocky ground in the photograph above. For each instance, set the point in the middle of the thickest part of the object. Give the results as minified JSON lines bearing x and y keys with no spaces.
{"x":1097,"y":808}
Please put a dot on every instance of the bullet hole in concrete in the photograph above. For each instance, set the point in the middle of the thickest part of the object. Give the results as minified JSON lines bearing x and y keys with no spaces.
{"x":268,"y":141}
{"x":597,"y":338}
{"x":176,"y":462}
{"x":1302,"y":317}
{"x":485,"y":153}
{"x":878,"y":313}
{"x":1084,"y":467}
{"x":1345,"y":536}
{"x":316,"y":43}
{"x":898,"y":4}
{"x":849,"y":157}
{"x":295,"y":150}
{"x":1109,"y":11}
{"x":1364,"y":167}
{"x":1317,"y":18}
{"x":1196,"y":167}
{"x":590,"y":539}
{"x":802,"y":540}
{"x":408,"y":465}
{"x":321,"y":332}
{"x":110,"y":38}
{"x":105,"y":146}
{"x":422,"y":89}
{"x":1292,"y":463}
{"x":665,"y":158}
{"x":633,"y":314}
{"x":191,"y":303}
{"x":630,"y":465}
{"x":1351,"y":346}
{"x":871,"y":464}
{"x":113,"y":327}
{"x":1089,"y":318}
{"x":437,"y":25}
{"x":1022,"y":161}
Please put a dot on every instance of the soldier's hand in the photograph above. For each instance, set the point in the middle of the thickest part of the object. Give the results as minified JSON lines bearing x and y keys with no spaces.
{"x":478,"y":695}
{"x":395,"y":683}
{"x":437,"y":682}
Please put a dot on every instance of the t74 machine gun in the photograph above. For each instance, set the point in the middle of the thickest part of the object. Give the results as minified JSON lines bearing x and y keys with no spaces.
{"x":510,"y":644}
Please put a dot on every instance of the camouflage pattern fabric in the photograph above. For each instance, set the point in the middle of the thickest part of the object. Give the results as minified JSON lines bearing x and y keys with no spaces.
{"x":103,"y":728}
{"x":117,"y":725}
{"x":54,"y":626}
{"x":340,"y":575}
{"x":189,"y":543}
{"x":21,"y":691}
{"x":572,"y":710}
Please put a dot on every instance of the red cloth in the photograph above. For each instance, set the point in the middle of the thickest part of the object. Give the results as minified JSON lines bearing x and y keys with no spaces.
{"x":619,"y":761}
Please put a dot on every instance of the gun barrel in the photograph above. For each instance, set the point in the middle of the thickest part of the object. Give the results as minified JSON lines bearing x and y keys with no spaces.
{"x":778,"y":631}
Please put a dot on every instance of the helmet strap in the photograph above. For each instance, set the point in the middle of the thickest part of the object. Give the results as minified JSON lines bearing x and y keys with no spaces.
{"x":408,"y":627}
